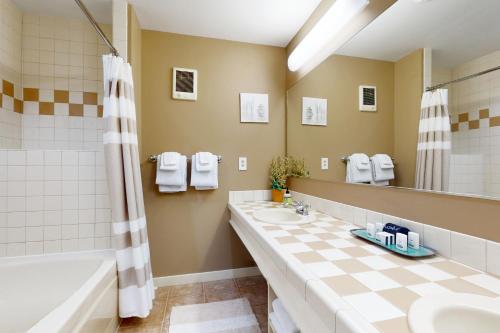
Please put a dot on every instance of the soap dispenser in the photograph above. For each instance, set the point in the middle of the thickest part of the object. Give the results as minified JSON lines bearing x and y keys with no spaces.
{"x":287,"y":199}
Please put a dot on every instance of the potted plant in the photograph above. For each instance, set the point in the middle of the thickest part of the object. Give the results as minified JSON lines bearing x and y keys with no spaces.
{"x":283,"y":167}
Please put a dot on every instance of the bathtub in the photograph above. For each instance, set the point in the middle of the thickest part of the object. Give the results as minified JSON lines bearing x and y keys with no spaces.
{"x":69,"y":292}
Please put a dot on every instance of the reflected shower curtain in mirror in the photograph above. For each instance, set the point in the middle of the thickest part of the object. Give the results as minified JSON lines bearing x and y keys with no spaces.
{"x":130,"y":239}
{"x":434,"y":142}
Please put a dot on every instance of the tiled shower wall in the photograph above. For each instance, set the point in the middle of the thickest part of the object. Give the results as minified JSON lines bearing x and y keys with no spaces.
{"x":62,"y":83}
{"x":52,"y":201}
{"x":475,"y":113}
{"x":10,"y":75}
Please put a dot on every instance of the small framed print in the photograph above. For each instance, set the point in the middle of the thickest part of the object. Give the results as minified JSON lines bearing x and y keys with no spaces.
{"x":185,"y":84}
{"x":254,"y":108}
{"x":314,"y":111}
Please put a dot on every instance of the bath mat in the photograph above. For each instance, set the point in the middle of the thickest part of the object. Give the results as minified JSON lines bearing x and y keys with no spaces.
{"x":234,"y":316}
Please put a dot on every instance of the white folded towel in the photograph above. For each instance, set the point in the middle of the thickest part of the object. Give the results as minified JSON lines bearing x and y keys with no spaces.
{"x":169,"y":161}
{"x":205,"y":180}
{"x":358,"y":169}
{"x":172,"y":179}
{"x":286,"y":323}
{"x":382,"y":169}
{"x":204,"y":161}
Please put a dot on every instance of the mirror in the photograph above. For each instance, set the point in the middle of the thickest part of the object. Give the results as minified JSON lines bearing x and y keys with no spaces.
{"x":372,"y":91}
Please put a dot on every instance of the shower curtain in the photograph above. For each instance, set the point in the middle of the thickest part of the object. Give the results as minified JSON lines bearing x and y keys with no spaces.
{"x":130,"y":239}
{"x":434,"y":142}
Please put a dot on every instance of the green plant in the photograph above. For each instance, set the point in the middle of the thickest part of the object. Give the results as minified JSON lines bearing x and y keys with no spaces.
{"x":283,"y":167}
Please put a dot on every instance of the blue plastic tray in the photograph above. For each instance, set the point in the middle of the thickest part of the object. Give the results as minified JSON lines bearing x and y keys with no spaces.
{"x":421,"y":252}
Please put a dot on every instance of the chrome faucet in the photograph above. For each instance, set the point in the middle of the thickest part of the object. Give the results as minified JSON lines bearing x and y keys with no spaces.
{"x":301,"y":208}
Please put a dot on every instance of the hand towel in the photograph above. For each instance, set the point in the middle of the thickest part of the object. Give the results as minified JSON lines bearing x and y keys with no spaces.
{"x":204,"y":161}
{"x":205,"y":180}
{"x":358,"y":169}
{"x":283,"y":317}
{"x":169,"y":161}
{"x":172,"y":177}
{"x":382,"y":169}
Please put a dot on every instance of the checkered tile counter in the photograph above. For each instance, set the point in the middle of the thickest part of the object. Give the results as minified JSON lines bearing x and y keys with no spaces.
{"x":376,"y":283}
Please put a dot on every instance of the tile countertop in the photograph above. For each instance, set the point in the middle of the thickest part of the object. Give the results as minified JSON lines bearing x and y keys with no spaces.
{"x":379,"y":285}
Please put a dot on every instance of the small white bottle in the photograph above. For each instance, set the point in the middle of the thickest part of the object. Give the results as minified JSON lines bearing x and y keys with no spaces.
{"x":379,"y":227}
{"x":370,"y":230}
{"x":413,"y":240}
{"x":402,"y":242}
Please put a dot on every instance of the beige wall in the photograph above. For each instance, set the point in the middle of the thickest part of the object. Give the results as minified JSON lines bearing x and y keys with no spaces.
{"x":471,"y":216}
{"x":408,"y":83}
{"x":135,"y":60}
{"x":374,"y":9}
{"x":189,"y":232}
{"x":349,"y":130}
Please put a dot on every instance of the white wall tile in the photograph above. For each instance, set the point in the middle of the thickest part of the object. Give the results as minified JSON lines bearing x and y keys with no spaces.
{"x":468,"y":250}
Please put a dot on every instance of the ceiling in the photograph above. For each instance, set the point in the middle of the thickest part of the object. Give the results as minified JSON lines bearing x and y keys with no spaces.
{"x":269,"y":22}
{"x":101,"y":10}
{"x":456,"y":30}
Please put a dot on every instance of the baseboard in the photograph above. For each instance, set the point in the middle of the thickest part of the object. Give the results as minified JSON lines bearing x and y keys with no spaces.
{"x":163,"y":281}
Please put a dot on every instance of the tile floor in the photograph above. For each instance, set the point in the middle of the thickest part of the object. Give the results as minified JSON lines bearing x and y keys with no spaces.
{"x":253,"y":288}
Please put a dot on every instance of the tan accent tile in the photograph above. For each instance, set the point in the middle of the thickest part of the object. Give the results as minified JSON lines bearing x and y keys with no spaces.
{"x":454,"y":127}
{"x":182,"y":300}
{"x":100,"y":111}
{"x":319,"y":245}
{"x":140,"y":329}
{"x":473,"y":124}
{"x":402,"y":298}
{"x":287,"y":240}
{"x":251,"y":282}
{"x":256,"y":295}
{"x":326,"y":236}
{"x":359,"y":241}
{"x":222,"y":290}
{"x":333,"y":229}
{"x":403,"y":277}
{"x":495,"y":121}
{"x":61,"y":96}
{"x":298,"y":232}
{"x":484,"y":113}
{"x":8,"y":88}
{"x":31,"y":94}
{"x":76,"y":110}
{"x":308,"y":257}
{"x":260,"y":312}
{"x":463,"y":117}
{"x":345,"y":285}
{"x":351,"y":266}
{"x":191,"y":289}
{"x":396,"y":325}
{"x":1,"y":100}
{"x":46,"y":108}
{"x":154,"y":319}
{"x":356,"y":252}
{"x":461,"y":286}
{"x":18,"y":105}
{"x":89,"y":98}
{"x":454,"y":268}
{"x":400,"y":260}
{"x":271,"y":228}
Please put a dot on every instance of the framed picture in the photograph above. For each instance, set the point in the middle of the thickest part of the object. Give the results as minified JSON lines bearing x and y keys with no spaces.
{"x":314,"y":111}
{"x":254,"y":108}
{"x":185,"y":84}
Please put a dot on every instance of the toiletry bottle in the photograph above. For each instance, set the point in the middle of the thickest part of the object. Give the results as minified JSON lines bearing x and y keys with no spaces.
{"x":287,"y":198}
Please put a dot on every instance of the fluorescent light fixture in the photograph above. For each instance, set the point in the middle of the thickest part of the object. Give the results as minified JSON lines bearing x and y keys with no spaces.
{"x":339,"y":14}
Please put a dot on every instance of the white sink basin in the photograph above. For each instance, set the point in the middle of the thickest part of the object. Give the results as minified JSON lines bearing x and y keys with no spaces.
{"x":455,"y":313}
{"x":281,"y":216}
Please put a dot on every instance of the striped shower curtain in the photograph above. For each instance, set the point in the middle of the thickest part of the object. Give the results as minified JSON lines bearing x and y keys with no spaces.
{"x":130,"y":239}
{"x":434,"y":142}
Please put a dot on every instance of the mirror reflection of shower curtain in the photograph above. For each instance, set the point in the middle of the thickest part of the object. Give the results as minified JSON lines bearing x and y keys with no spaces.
{"x":434,"y":142}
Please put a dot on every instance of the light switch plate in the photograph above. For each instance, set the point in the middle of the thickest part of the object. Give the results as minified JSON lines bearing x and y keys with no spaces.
{"x":324,"y":163}
{"x":242,"y":164}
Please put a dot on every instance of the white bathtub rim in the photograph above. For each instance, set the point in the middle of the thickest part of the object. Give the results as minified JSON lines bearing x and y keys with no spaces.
{"x":108,"y":254}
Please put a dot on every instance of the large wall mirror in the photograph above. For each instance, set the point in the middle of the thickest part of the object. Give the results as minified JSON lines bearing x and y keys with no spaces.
{"x":370,"y":98}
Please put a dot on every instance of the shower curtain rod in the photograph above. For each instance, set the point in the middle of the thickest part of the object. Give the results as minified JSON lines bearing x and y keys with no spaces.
{"x":97,"y":28}
{"x":462,"y":78}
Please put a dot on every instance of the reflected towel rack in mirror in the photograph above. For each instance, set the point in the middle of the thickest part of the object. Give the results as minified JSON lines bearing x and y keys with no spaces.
{"x":154,"y":158}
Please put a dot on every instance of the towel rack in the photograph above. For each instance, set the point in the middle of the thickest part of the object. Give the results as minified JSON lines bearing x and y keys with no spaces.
{"x":346,"y":158}
{"x":154,"y":158}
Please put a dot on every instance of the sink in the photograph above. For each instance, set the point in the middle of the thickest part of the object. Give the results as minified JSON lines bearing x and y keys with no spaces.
{"x":281,"y":216}
{"x":457,"y":313}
